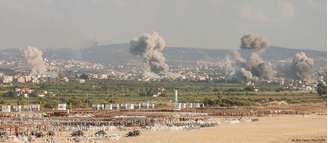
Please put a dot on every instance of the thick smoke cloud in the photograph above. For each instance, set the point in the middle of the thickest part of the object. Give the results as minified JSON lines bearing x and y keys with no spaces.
{"x":263,"y":71}
{"x":300,"y":68}
{"x":253,"y":61}
{"x":150,"y":46}
{"x":253,"y":42}
{"x":237,"y":59}
{"x":259,"y":67}
{"x":34,"y":59}
{"x":247,"y":62}
{"x":244,"y":75}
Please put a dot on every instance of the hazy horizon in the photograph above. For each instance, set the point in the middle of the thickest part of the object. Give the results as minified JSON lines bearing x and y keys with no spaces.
{"x":208,"y":24}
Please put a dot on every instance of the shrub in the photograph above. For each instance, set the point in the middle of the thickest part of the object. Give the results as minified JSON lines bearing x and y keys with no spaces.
{"x":322,"y":89}
{"x":133,"y":133}
{"x":77,"y":133}
{"x":209,"y":102}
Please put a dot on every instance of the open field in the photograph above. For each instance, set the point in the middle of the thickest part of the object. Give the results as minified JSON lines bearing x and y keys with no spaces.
{"x":274,"y":123}
{"x":276,"y":129}
{"x":270,"y":129}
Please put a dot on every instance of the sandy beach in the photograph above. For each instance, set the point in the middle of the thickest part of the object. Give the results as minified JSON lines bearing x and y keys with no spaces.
{"x":279,"y":129}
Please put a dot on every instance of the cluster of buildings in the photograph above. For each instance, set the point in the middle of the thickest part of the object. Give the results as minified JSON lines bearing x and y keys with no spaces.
{"x":126,"y":106}
{"x":72,"y":70}
{"x":180,"y":106}
{"x":76,"y":64}
{"x":7,"y":79}
{"x":97,"y":107}
{"x":21,"y":108}
{"x":140,"y":106}
{"x":298,"y":85}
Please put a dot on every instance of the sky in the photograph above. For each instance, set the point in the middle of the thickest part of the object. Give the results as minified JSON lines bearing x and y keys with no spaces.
{"x":214,"y":24}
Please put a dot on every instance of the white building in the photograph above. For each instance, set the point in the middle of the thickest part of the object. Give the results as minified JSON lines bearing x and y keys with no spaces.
{"x":188,"y":105}
{"x":7,"y":79}
{"x":5,"y":108}
{"x":62,"y":107}
{"x":103,"y":76}
{"x":35,"y":107}
{"x":82,"y":80}
{"x":17,"y":108}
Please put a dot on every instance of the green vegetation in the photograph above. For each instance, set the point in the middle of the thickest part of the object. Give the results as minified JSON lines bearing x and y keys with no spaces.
{"x":80,"y":95}
{"x":133,"y":133}
{"x":322,"y":89}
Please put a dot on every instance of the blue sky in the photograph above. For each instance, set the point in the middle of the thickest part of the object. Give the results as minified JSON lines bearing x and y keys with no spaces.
{"x":184,"y":23}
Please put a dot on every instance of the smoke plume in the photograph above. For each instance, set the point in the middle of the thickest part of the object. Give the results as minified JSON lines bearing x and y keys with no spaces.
{"x":244,"y":75}
{"x":150,"y":46}
{"x":263,"y":71}
{"x":247,"y":62}
{"x":253,"y":42}
{"x":34,"y":59}
{"x":253,"y":60}
{"x":303,"y":66}
{"x":237,"y":59}
{"x":300,"y":68}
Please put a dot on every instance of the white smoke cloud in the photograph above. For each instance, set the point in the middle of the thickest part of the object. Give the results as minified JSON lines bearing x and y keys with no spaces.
{"x":254,"y":59}
{"x":34,"y":59}
{"x":244,"y":75}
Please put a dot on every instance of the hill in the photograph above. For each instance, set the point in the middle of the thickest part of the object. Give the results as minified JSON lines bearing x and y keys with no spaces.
{"x":119,"y":54}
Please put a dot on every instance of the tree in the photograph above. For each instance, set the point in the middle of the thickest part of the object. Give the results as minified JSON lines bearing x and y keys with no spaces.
{"x":147,"y":92}
{"x":11,"y":93}
{"x":208,"y":102}
{"x":73,"y":102}
{"x":50,"y":104}
{"x":84,"y":76}
{"x":249,"y":88}
{"x":2,"y":102}
{"x":20,"y":100}
{"x":40,"y":100}
{"x":322,"y":89}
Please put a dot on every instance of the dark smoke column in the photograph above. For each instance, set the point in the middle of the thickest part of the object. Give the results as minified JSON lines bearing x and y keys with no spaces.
{"x":150,"y":46}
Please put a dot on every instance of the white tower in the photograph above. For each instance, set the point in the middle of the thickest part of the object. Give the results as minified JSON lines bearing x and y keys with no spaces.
{"x":175,"y":96}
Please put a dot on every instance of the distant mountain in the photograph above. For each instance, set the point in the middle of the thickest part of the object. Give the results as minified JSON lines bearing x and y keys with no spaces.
{"x":10,"y":54}
{"x":279,"y":53}
{"x":119,"y":54}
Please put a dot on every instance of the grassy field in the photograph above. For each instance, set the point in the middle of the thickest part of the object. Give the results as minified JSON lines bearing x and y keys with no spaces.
{"x":117,"y":91}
